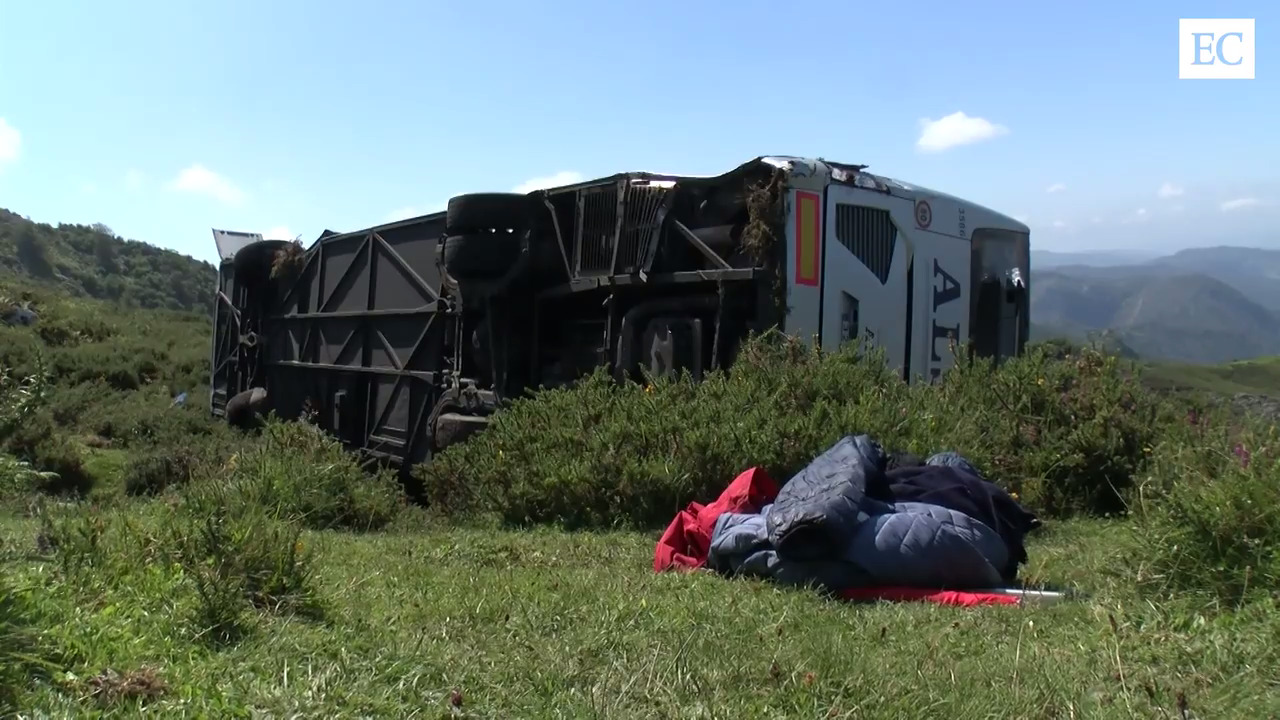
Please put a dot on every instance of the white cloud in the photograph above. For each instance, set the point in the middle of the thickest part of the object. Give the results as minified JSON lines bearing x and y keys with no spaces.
{"x":1097,"y":220}
{"x":279,"y":233}
{"x":1056,"y":188}
{"x":1169,"y":190}
{"x":954,"y":130}
{"x":1059,"y":224}
{"x":201,"y":180}
{"x":1240,"y":203}
{"x":1139,"y":215}
{"x":10,"y":141}
{"x":564,"y":177}
{"x":1024,"y":219}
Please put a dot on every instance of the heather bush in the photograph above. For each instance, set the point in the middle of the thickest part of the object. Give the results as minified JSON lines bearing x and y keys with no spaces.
{"x":1067,"y":429}
{"x":239,"y":556}
{"x":154,"y":471}
{"x":1067,"y":432}
{"x":296,"y":472}
{"x":28,"y":434}
{"x":38,"y":442}
{"x":1209,"y":509}
{"x":238,"y":533}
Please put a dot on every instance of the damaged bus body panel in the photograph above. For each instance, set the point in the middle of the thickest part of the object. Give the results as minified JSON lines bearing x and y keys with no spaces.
{"x":402,"y":338}
{"x":910,"y":270}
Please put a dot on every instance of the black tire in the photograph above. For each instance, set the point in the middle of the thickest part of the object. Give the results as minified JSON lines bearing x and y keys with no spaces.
{"x":244,"y":408}
{"x":480,"y":256}
{"x":486,"y":211}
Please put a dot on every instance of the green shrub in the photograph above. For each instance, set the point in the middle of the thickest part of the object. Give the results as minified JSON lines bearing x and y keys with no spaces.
{"x":39,"y":442}
{"x":139,"y":418}
{"x":20,"y":398}
{"x":151,"y":473}
{"x":1068,"y":433}
{"x":18,"y":478}
{"x":238,"y":556}
{"x":172,"y":459}
{"x":1068,"y":430}
{"x":600,"y":452}
{"x":1210,"y":509}
{"x":238,"y":535}
{"x":296,"y":472}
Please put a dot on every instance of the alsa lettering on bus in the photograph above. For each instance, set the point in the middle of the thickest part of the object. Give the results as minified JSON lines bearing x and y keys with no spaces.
{"x":946,"y":291}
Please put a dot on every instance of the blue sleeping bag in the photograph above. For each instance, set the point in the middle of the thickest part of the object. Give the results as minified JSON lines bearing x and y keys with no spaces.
{"x":824,"y":529}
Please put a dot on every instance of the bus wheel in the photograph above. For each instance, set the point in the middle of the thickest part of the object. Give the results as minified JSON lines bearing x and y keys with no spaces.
{"x":486,"y":211}
{"x":481,"y":256}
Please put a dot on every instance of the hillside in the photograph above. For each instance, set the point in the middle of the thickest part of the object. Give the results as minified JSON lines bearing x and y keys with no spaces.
{"x":1048,"y":259}
{"x":1252,"y":271}
{"x":1162,"y":312}
{"x":1260,"y":376}
{"x":91,"y":261}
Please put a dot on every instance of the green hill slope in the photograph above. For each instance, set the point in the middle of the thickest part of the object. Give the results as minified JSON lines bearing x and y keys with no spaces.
{"x":1260,"y":376}
{"x":92,"y":261}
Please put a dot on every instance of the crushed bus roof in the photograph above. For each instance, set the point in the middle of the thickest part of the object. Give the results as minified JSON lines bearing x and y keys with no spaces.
{"x":791,"y":164}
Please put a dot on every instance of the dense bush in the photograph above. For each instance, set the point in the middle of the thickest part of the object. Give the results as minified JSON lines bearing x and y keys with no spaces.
{"x":238,"y":532}
{"x":296,"y":472}
{"x":168,"y":445}
{"x":1066,"y":432}
{"x":20,"y":651}
{"x":235,"y":522}
{"x":85,"y":341}
{"x":38,"y":442}
{"x":1069,"y":429}
{"x":154,"y":471}
{"x":238,"y":556}
{"x":108,"y":375}
{"x":1210,"y":508}
{"x":46,"y":460}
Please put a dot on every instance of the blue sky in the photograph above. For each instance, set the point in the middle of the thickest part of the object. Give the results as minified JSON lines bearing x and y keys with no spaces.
{"x":163,"y":119}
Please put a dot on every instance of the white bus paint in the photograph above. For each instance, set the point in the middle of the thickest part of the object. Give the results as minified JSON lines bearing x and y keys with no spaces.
{"x":918,"y":301}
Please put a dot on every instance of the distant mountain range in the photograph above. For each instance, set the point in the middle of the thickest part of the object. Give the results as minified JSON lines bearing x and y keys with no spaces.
{"x":1201,"y":305}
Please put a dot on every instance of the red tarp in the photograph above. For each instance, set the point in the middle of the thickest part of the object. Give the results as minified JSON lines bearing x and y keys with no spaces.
{"x":687,"y":541}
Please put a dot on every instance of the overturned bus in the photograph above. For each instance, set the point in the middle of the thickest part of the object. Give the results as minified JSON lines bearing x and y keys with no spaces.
{"x":402,"y":338}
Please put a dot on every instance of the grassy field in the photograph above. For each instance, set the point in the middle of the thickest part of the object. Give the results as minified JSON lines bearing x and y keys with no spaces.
{"x":1256,"y":377}
{"x":543,"y":623}
{"x":154,"y":562}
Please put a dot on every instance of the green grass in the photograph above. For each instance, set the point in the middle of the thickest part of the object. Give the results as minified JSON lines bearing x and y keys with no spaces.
{"x":197,"y":571}
{"x":107,"y":466}
{"x":1260,"y":376}
{"x":552,"y":624}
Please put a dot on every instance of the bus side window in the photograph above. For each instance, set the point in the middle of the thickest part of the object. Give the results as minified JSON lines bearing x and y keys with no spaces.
{"x":848,"y":317}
